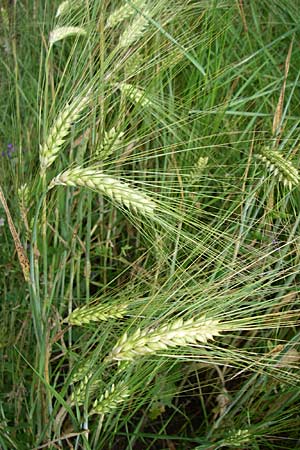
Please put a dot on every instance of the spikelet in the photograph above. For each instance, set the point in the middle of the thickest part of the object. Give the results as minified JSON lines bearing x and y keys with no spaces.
{"x":134,"y":64}
{"x":111,"y":399}
{"x":60,"y":33}
{"x":97,"y":313}
{"x":83,"y":370}
{"x":63,"y":8}
{"x":59,"y":130}
{"x":279,"y":166}
{"x":23,"y":194}
{"x":136,"y":95}
{"x":80,"y":391}
{"x":123,"y":13}
{"x":135,"y":30}
{"x":85,"y":388}
{"x":177,"y":334}
{"x":198,"y":168}
{"x":115,"y":189}
{"x":237,"y":438}
{"x":111,"y":141}
{"x":66,"y":6}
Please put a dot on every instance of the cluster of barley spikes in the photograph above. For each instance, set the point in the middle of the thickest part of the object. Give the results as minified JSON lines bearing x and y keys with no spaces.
{"x":156,"y":221}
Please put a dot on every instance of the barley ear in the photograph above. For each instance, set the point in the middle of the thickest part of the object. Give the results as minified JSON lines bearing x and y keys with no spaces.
{"x":198,"y":168}
{"x":114,"y":396}
{"x":60,"y":33}
{"x":83,"y":370}
{"x":97,"y":313}
{"x":123,"y":13}
{"x":59,"y":130}
{"x":135,"y":30}
{"x":279,"y":166}
{"x":136,"y":95}
{"x":85,"y":388}
{"x":23,"y":195}
{"x":237,"y":438}
{"x":63,"y":8}
{"x":112,"y":140}
{"x":176,"y":334}
{"x":118,"y":191}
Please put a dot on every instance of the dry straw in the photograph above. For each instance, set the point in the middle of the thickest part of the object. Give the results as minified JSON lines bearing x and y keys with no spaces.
{"x":279,"y":166}
{"x":59,"y":130}
{"x":23,"y":260}
{"x":116,"y":190}
{"x":179,"y":333}
{"x":97,"y":313}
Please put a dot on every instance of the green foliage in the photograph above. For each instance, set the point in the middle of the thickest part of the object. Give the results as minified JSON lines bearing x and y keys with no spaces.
{"x":159,"y":208}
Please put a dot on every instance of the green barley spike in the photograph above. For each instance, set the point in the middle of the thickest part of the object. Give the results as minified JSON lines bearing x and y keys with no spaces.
{"x":279,"y":166}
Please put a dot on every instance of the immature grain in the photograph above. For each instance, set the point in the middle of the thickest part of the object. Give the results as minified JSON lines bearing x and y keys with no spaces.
{"x":136,"y":95}
{"x":67,"y":7}
{"x":59,"y":130}
{"x":23,"y":195}
{"x":123,"y":13}
{"x":198,"y":168}
{"x":60,"y":33}
{"x":279,"y":166}
{"x":118,"y":191}
{"x":63,"y":8}
{"x":135,"y":30}
{"x":112,"y":140}
{"x":237,"y":438}
{"x":96,"y":313}
{"x":111,"y":399}
{"x":179,"y":333}
{"x":83,"y":369}
{"x":86,"y":388}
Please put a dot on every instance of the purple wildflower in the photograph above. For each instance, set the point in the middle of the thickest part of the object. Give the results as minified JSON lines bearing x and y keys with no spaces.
{"x":10,"y":150}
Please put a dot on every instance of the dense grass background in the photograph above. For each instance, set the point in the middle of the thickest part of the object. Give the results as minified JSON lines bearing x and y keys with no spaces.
{"x":194,"y":105}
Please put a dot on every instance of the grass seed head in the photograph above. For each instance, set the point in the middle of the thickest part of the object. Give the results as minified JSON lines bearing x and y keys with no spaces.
{"x":111,"y":399}
{"x":279,"y":166}
{"x":60,"y":33}
{"x":59,"y":131}
{"x":111,"y":141}
{"x":176,"y":334}
{"x":134,"y":31}
{"x":136,"y":95}
{"x":118,"y":191}
{"x":97,"y":313}
{"x":123,"y":13}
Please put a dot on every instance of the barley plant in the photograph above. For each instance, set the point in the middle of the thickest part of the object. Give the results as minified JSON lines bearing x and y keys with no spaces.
{"x":149,"y":224}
